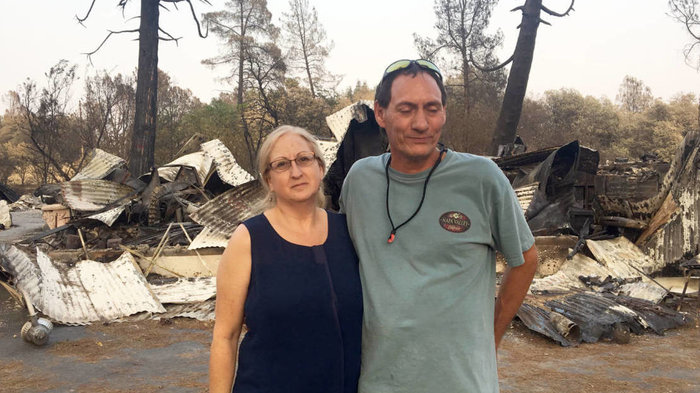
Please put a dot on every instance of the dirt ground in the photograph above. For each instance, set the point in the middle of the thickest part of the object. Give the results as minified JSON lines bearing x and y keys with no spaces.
{"x":529,"y":362}
{"x":172,"y":356}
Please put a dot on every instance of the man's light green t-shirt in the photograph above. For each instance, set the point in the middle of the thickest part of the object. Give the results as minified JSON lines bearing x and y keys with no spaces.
{"x":429,"y":295}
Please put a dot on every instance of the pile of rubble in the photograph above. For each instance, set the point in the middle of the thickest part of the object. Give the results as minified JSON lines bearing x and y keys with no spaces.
{"x":123,"y":247}
{"x":120,"y":247}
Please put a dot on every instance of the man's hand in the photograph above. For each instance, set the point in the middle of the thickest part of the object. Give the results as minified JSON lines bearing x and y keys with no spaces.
{"x":516,"y":282}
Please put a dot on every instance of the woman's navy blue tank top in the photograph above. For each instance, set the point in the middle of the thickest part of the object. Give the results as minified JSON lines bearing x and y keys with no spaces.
{"x":303,"y":313}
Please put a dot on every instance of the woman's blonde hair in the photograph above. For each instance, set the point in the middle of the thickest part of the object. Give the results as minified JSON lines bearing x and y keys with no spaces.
{"x":264,"y":160}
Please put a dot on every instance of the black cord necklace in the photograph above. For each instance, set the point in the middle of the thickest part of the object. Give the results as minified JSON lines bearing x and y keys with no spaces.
{"x":392,"y":235}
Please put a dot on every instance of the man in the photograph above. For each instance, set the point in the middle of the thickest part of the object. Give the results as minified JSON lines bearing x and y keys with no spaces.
{"x":426,"y":223}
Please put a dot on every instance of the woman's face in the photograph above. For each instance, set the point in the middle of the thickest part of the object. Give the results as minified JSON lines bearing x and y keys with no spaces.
{"x":298,"y":183}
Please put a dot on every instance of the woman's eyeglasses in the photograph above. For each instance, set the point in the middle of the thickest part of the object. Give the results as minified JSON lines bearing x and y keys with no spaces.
{"x":405,"y":63}
{"x":302,"y":159}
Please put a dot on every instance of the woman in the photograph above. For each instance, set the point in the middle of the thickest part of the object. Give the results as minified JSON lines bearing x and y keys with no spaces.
{"x":291,"y":275}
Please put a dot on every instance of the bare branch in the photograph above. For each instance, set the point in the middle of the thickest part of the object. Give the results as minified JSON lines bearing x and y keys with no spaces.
{"x":521,"y":8}
{"x":557,"y":14}
{"x":436,"y":50}
{"x":685,"y":13}
{"x":545,"y":22}
{"x":169,"y":36}
{"x":194,"y":14}
{"x":122,"y":4}
{"x":490,"y":69}
{"x":196,"y":20}
{"x":106,"y":38}
{"x":83,"y":19}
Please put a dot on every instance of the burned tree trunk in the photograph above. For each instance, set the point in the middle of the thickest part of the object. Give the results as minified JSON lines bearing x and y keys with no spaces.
{"x":512,"y":106}
{"x":144,"y":137}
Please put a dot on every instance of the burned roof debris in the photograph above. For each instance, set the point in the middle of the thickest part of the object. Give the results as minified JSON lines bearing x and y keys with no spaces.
{"x":7,"y":194}
{"x":127,"y":246}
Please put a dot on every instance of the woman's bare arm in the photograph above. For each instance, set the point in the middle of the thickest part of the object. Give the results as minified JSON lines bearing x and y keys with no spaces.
{"x":232,"y":281}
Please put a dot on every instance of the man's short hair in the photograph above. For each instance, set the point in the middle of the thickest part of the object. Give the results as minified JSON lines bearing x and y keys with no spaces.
{"x":383,"y":93}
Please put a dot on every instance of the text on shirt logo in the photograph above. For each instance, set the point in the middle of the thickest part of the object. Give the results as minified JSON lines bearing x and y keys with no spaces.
{"x":455,"y":222}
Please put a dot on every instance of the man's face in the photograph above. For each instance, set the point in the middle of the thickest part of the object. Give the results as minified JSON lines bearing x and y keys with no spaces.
{"x":413,"y":121}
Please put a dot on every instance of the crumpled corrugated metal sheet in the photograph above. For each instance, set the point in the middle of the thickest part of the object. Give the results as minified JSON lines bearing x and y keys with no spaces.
{"x":615,"y":259}
{"x":548,"y":210}
{"x":543,"y":322}
{"x":644,"y":290}
{"x":209,"y":238}
{"x":223,"y":213}
{"x":159,"y":194}
{"x":329,"y":150}
{"x":108,"y":217}
{"x":88,"y":292}
{"x":525,"y":159}
{"x":525,"y":194}
{"x":185,"y":290}
{"x":203,"y":311}
{"x":226,"y":166}
{"x":621,"y":257}
{"x":658,"y":318}
{"x":339,"y":121}
{"x":100,"y":166}
{"x":91,"y":195}
{"x":596,"y":315}
{"x":201,"y":163}
{"x":26,"y":273}
{"x":591,"y":316}
{"x":8,"y":194}
{"x":567,"y":278}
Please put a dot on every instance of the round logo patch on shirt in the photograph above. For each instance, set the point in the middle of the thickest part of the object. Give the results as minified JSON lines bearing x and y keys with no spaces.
{"x":455,"y":222}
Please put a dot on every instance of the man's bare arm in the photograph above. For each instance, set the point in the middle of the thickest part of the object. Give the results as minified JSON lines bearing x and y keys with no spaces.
{"x":514,"y":286}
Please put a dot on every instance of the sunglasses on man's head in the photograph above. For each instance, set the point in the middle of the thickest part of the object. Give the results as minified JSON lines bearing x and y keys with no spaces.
{"x":405,"y":63}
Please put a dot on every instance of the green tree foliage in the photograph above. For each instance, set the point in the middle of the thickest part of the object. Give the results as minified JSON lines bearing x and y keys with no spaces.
{"x":473,"y":134}
{"x":462,"y":41}
{"x":174,"y":104}
{"x":242,"y":25}
{"x":565,"y":115}
{"x":250,"y":50}
{"x":299,"y":107}
{"x":353,"y":94}
{"x":15,"y":155}
{"x":107,"y":112}
{"x":308,"y":47}
{"x":48,"y":125}
{"x":633,"y":95}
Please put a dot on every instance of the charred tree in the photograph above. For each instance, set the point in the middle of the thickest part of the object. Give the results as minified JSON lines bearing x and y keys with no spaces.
{"x":144,"y":137}
{"x":141,"y":156}
{"x":512,"y":106}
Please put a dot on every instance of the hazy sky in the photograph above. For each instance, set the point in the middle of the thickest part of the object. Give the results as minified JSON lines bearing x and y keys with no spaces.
{"x":591,"y":50}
